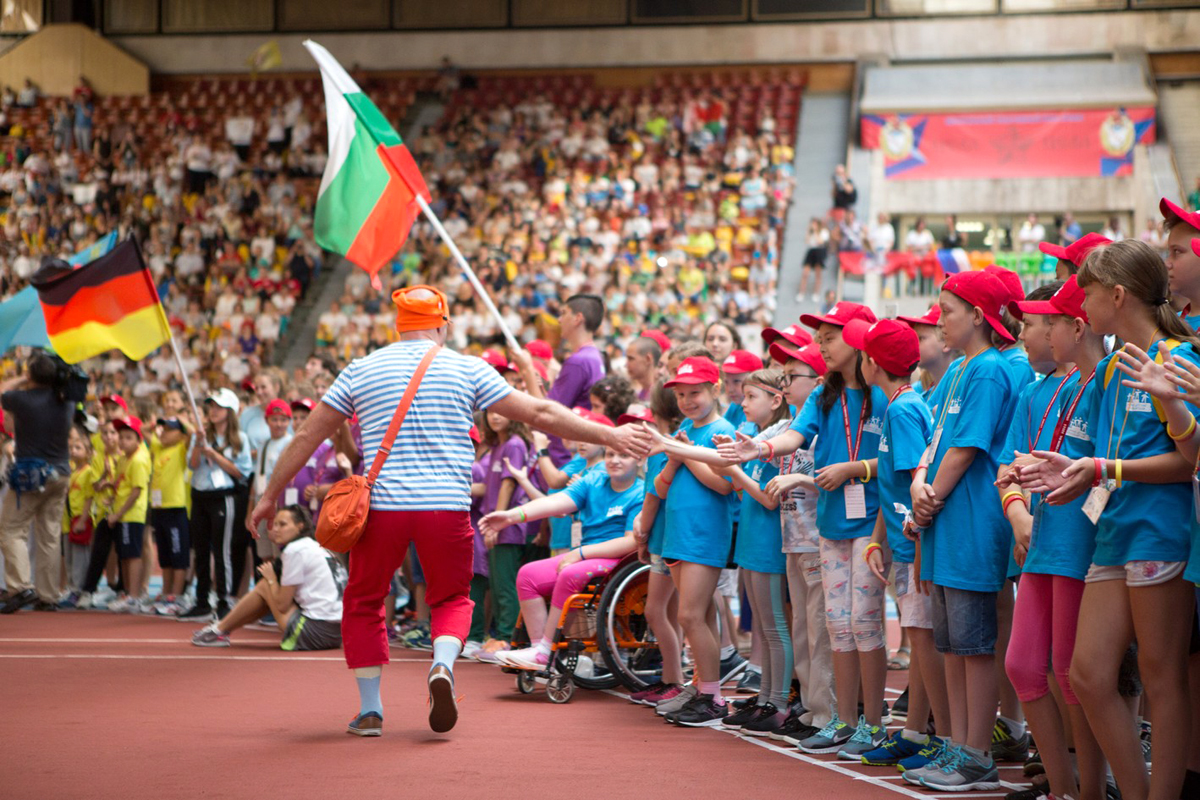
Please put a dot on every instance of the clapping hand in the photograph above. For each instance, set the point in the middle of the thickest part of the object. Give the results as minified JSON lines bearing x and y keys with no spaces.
{"x":739,"y":450}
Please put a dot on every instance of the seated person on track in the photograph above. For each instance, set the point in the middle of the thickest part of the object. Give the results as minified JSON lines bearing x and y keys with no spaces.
{"x":606,"y":503}
{"x":305,"y":600}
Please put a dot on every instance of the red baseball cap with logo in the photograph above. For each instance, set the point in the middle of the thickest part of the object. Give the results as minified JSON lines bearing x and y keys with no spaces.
{"x":658,"y":336}
{"x":278,"y":406}
{"x":539,"y":348}
{"x":129,"y":423}
{"x":1077,"y":250}
{"x":1067,"y":302}
{"x":892,"y":344}
{"x":694,"y":371}
{"x":1011,"y":282}
{"x":495,"y":358}
{"x":593,"y":416}
{"x":304,"y":402}
{"x":635,"y":417}
{"x":740,"y":362}
{"x":810,"y":354}
{"x":985,"y":291}
{"x":1169,"y":210}
{"x":116,"y":399}
{"x":931,"y":317}
{"x":839,"y":315}
{"x":792,"y":333}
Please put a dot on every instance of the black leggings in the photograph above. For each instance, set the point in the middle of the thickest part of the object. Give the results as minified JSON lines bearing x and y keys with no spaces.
{"x":102,"y":545}
{"x":219,"y":542}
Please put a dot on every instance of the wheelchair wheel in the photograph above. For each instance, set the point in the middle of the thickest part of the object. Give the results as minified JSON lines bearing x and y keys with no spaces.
{"x":601,"y":678}
{"x":622,"y":635}
{"x":560,"y":689}
{"x":525,"y":681}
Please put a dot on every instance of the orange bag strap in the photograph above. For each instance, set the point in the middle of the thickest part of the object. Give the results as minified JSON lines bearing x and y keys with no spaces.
{"x":410,"y":392}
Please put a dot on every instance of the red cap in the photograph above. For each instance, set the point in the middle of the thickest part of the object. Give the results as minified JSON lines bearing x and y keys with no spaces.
{"x":659,"y":337}
{"x":635,"y":417}
{"x":1066,"y":302}
{"x":117,"y":399}
{"x":1077,"y":251}
{"x":248,"y":385}
{"x":1011,"y":280}
{"x":278,"y":406}
{"x":1169,"y":210}
{"x":1196,"y":246}
{"x":474,"y":434}
{"x":839,"y":315}
{"x":539,"y":368}
{"x":540,"y":349}
{"x":695,"y":370}
{"x":304,"y":402}
{"x":131,"y":423}
{"x":740,"y":362}
{"x":984,"y":290}
{"x":792,"y":333}
{"x":931,"y":317}
{"x":495,"y":358}
{"x":810,"y":354}
{"x":593,"y":416}
{"x":891,"y":343}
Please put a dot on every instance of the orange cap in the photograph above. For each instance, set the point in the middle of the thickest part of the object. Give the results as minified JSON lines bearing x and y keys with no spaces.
{"x":420,"y":308}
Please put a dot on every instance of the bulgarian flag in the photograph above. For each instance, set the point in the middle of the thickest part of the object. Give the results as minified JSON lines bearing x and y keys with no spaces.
{"x":368,"y":197}
{"x":108,"y":304}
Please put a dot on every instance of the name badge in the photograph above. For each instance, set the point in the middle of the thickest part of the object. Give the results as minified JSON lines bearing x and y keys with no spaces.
{"x":156,"y":498}
{"x":260,"y":484}
{"x":856,"y":501}
{"x":1097,"y":499}
{"x":291,"y":496}
{"x":937,"y":437}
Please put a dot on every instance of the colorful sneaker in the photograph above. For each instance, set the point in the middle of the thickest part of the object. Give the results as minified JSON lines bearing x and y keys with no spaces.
{"x":368,"y":724}
{"x":526,"y":658}
{"x":769,"y":718}
{"x":209,"y":636}
{"x":739,"y":717}
{"x":418,"y":639}
{"x":964,"y":772}
{"x":676,"y":703}
{"x":829,"y":739}
{"x":1006,"y":747}
{"x":668,"y":692}
{"x":894,"y":750}
{"x":932,"y":757}
{"x":702,"y":712}
{"x":866,"y":737}
{"x":640,"y":696}
{"x":167,"y":607}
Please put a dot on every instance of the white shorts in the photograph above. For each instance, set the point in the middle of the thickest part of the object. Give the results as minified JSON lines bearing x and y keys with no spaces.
{"x":916,"y":609}
{"x":727,"y":586}
{"x":1137,"y":573}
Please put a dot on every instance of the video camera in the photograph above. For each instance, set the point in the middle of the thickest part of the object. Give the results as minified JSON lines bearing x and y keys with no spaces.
{"x":70,"y":381}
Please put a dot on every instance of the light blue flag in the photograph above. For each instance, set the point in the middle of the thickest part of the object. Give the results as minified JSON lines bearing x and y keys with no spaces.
{"x":92,"y":252}
{"x":21,"y":321}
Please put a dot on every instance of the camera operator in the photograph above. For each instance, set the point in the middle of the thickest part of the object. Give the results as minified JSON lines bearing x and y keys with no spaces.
{"x":38,"y":411}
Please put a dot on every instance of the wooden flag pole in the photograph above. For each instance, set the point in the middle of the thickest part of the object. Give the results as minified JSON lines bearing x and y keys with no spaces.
{"x":187,"y":385}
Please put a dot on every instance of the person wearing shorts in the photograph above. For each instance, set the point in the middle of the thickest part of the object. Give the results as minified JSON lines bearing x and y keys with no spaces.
{"x":127,"y":520}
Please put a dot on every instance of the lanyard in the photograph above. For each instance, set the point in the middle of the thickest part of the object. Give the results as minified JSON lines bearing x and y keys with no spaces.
{"x":962,"y":370}
{"x":1108,"y":454}
{"x":852,"y":447}
{"x":1064,"y":421}
{"x":1035,"y":439}
{"x":905,"y":388}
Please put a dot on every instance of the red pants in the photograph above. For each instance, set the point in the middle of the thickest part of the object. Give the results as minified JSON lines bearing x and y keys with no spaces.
{"x":444,"y":541}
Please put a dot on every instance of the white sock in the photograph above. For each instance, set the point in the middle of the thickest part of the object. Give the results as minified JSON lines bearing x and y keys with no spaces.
{"x":754,"y":668}
{"x":543,"y":647}
{"x":913,"y":736}
{"x":445,"y":650}
{"x":1017,"y":729}
{"x":727,"y":651}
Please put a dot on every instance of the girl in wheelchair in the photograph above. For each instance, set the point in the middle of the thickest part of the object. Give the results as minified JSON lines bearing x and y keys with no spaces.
{"x":606,"y":503}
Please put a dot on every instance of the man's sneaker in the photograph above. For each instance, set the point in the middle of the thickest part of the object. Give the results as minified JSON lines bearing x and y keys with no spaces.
{"x":732,"y":667}
{"x":963,"y":772}
{"x":209,"y":636}
{"x":676,"y":703}
{"x":900,"y":707}
{"x":866,"y":737}
{"x":893,"y":751}
{"x":1006,"y":747}
{"x":668,"y":691}
{"x":932,"y":757}
{"x":766,"y":721}
{"x":443,"y":707}
{"x":741,"y":716}
{"x":751,"y":682}
{"x":829,"y":739}
{"x":526,"y":658}
{"x":195,"y":614}
{"x":368,"y":724}
{"x":793,"y":731}
{"x":702,"y":712}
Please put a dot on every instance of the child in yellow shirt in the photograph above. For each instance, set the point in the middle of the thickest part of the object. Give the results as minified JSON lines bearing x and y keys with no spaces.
{"x":127,"y":519}
{"x":168,"y":510}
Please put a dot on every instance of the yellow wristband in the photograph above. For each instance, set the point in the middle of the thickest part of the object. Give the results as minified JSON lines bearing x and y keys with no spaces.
{"x":1118,"y":473}
{"x":1188,"y":432}
{"x":866,"y":464}
{"x":869,"y":549}
{"x":1013,"y":493}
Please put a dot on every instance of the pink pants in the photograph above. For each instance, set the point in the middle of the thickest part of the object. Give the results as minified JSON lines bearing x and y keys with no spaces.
{"x":542,"y":578}
{"x":444,"y":541}
{"x":1043,"y":635}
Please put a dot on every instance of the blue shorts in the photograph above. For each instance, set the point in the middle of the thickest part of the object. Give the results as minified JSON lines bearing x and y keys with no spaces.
{"x":128,"y":538}
{"x":171,"y":537}
{"x":964,"y":622}
{"x":418,"y":574}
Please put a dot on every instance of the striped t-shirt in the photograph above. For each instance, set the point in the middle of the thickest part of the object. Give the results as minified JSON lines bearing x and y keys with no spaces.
{"x":429,"y":468}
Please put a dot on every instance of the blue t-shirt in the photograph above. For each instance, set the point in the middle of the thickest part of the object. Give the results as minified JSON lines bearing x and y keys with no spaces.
{"x":658,"y":531}
{"x":933,"y":397}
{"x":969,"y":543}
{"x":560,"y":527}
{"x":1142,"y":521}
{"x":735,"y":414}
{"x":750,"y":429}
{"x":760,"y":533}
{"x":699,"y":521}
{"x":907,"y":431}
{"x":603,"y":513}
{"x":826,"y":431}
{"x":1018,"y":360}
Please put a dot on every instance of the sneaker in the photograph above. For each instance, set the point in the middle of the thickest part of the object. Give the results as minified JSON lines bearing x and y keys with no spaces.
{"x":639,"y":696}
{"x":745,"y":702}
{"x":963,"y":772}
{"x":1006,"y":747}
{"x":866,"y":737}
{"x":893,"y":751}
{"x":471,"y":648}
{"x":740,"y":717}
{"x":1035,"y":792}
{"x":70,"y":600}
{"x":885,"y":715}
{"x":900,"y":707}
{"x":443,"y":707}
{"x":166,"y":606}
{"x":195,"y":614}
{"x":120,"y":605}
{"x":1033,"y":765}
{"x":913,"y":768}
{"x":1146,"y":750}
{"x":368,"y":724}
{"x":792,"y":731}
{"x":750,"y":683}
{"x":673,"y":704}
{"x":209,"y":636}
{"x":732,"y":667}
{"x":84,"y":601}
{"x":418,"y":639}
{"x":526,"y":658}
{"x":143,"y":605}
{"x":829,"y":739}
{"x":702,"y":712}
{"x":669,"y":691}
{"x":766,"y":721}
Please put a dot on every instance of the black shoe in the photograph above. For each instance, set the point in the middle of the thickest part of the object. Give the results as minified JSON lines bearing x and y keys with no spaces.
{"x":900,"y":707}
{"x":42,"y":605}
{"x":741,"y":716}
{"x":702,"y":712}
{"x":885,"y":717}
{"x":750,"y":683}
{"x":1033,"y":765}
{"x":793,"y":731}
{"x":222,"y":610}
{"x":764,"y":723}
{"x":12,"y":605}
{"x":732,"y":667}
{"x":1006,"y":747}
{"x":1036,"y":792}
{"x":745,"y":702}
{"x":196,"y":613}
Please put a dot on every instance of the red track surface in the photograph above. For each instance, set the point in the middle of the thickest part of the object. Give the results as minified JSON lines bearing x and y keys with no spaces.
{"x":104,"y":706}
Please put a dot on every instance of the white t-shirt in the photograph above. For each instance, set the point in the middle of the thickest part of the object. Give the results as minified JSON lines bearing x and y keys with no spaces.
{"x":318,"y":576}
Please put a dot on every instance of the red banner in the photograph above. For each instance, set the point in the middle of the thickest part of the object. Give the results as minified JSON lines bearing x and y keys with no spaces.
{"x":1009,"y":144}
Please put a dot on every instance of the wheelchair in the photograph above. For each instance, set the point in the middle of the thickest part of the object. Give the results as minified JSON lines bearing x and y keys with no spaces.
{"x":604,"y":623}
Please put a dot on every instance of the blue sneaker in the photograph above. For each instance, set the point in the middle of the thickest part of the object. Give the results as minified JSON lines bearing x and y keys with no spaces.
{"x":965,"y":772}
{"x":829,"y":739}
{"x":934,"y":758}
{"x":894,"y":750}
{"x":866,"y":737}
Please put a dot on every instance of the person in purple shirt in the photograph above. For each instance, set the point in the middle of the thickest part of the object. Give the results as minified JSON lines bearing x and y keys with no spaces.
{"x":580,"y":318}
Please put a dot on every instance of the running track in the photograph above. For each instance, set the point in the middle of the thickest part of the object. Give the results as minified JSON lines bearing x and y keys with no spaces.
{"x":105,"y":706}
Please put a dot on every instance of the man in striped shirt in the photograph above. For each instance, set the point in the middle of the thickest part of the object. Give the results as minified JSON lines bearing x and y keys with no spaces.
{"x":422,"y":494}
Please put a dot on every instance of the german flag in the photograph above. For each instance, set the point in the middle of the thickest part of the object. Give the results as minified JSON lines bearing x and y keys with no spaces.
{"x":108,"y":304}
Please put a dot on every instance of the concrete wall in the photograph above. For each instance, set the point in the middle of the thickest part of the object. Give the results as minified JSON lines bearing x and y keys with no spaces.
{"x":56,"y":56}
{"x":1032,"y":36}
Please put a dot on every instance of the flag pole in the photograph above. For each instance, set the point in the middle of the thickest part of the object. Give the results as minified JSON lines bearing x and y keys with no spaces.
{"x":187,"y":385}
{"x":470,"y":273}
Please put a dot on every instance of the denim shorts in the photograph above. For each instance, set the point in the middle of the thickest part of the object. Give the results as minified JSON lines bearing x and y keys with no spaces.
{"x":964,"y":622}
{"x":658,"y":566}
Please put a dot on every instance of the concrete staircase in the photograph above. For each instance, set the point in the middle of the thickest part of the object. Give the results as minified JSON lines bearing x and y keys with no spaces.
{"x":1179,"y":110}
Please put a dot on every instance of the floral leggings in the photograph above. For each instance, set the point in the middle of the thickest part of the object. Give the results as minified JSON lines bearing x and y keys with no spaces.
{"x":853,"y":596}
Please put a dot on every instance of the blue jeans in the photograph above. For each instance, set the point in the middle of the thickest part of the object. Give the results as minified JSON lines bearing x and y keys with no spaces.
{"x":964,"y":622}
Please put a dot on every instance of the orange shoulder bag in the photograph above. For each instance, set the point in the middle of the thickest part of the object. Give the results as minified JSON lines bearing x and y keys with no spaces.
{"x":344,"y":515}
